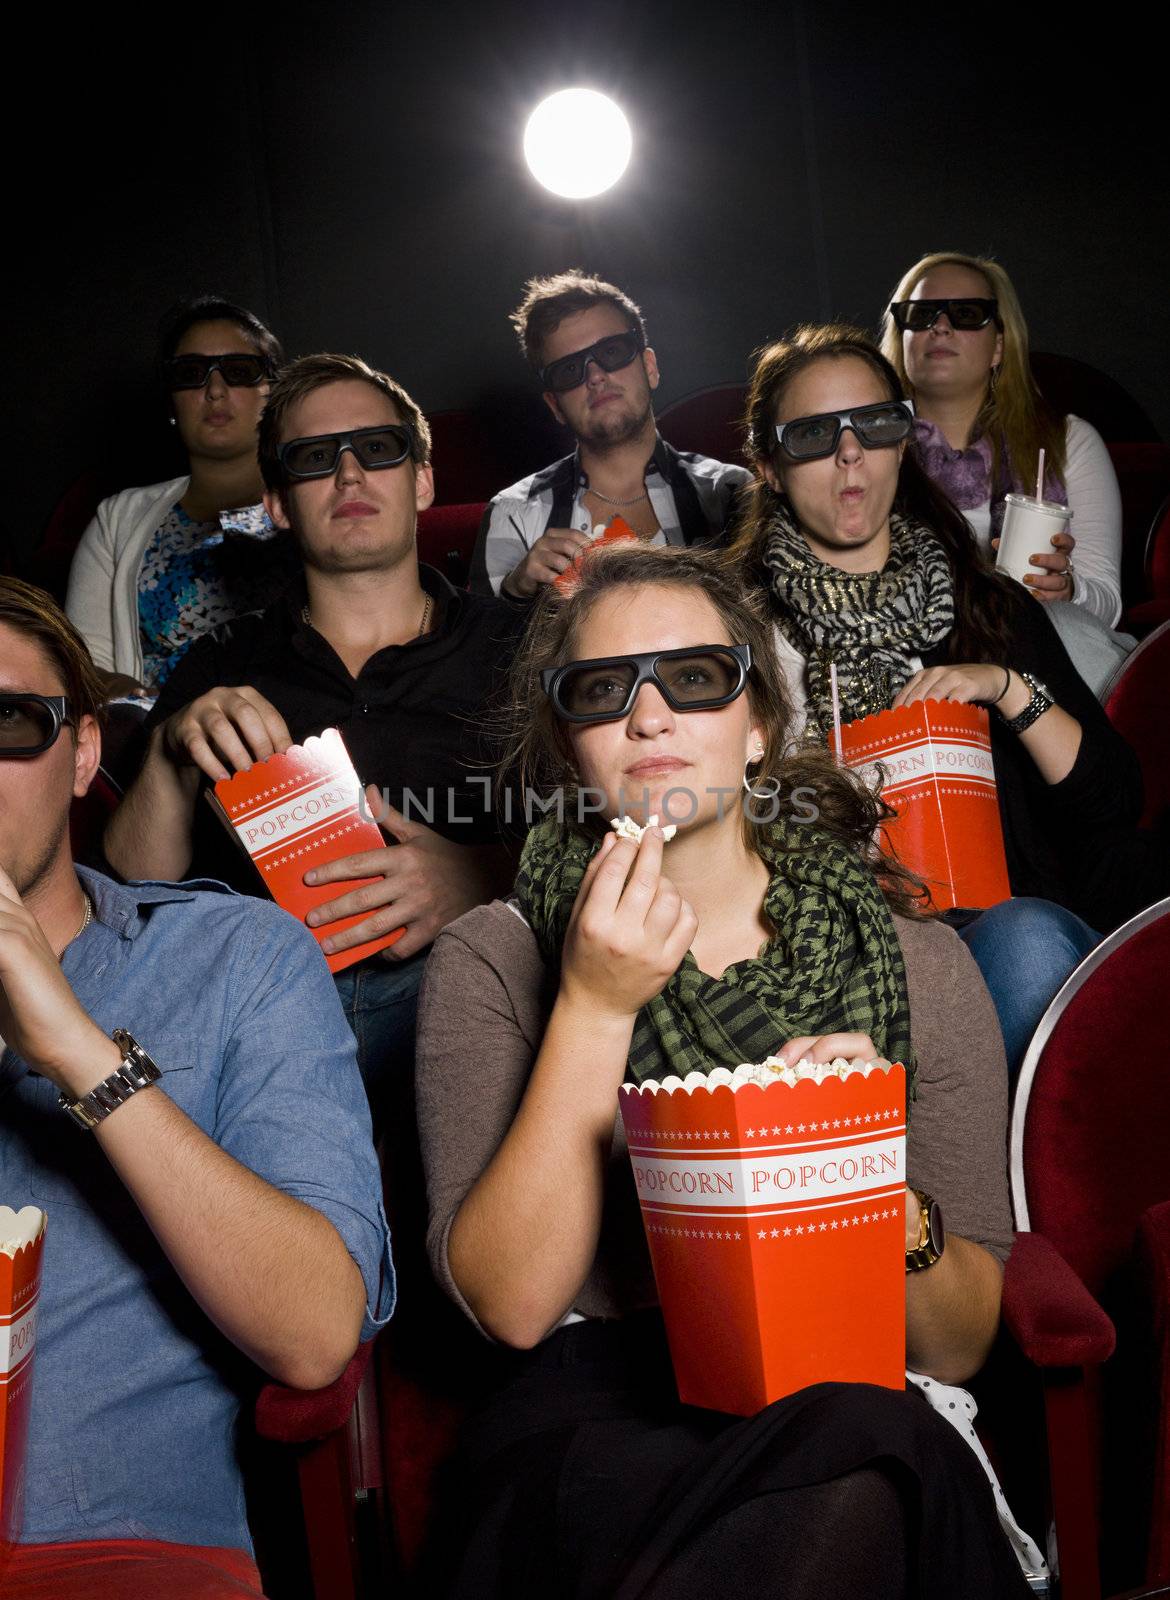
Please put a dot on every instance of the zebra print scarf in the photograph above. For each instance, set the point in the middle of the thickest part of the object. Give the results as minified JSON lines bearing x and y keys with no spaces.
{"x":870,"y":624}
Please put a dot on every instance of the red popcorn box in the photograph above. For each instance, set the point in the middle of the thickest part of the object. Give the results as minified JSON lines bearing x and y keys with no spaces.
{"x":939,"y":777}
{"x":775,"y":1216}
{"x":299,"y":810}
{"x":618,"y":532}
{"x":22,"y":1240}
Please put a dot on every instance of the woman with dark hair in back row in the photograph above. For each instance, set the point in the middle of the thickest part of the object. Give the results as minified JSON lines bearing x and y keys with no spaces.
{"x":160,"y":565}
{"x":868,"y":567}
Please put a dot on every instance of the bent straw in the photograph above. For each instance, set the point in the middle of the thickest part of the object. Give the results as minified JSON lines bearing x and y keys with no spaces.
{"x":836,"y":710}
{"x":1040,"y":476}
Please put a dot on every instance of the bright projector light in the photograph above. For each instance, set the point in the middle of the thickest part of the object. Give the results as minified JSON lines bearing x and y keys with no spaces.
{"x":577,"y":143}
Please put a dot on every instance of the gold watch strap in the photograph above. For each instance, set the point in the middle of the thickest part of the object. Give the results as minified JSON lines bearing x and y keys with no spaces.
{"x":924,"y":1253}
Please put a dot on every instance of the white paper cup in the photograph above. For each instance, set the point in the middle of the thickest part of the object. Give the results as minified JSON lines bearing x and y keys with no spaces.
{"x":1028,"y":527}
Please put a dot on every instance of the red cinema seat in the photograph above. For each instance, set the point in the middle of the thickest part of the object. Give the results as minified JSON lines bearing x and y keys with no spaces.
{"x":1087,"y":1288}
{"x":1154,"y":608}
{"x":467,"y":461}
{"x":446,"y":538}
{"x":371,"y":1448}
{"x":707,"y":422}
{"x":126,"y":1569}
{"x":1136,"y":704}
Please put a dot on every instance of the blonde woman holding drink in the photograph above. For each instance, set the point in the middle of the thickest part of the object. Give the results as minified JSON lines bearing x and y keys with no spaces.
{"x":956,"y":336}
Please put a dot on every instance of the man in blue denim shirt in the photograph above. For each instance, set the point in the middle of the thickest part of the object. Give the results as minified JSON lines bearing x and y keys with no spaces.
{"x":223,"y":1218}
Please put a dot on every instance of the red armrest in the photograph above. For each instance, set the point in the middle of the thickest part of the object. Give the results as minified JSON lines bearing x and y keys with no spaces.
{"x":297,"y":1416}
{"x":1049,"y":1312}
{"x":1154,"y":1257}
{"x":1146,"y":615}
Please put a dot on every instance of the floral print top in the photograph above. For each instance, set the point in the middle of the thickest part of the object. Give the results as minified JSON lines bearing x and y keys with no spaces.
{"x":196,"y":575}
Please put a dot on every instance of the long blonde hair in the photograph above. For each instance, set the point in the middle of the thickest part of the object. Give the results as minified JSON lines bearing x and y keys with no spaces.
{"x":1014,"y":415}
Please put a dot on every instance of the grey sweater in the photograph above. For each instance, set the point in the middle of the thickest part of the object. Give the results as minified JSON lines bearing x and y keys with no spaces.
{"x":486,"y":997}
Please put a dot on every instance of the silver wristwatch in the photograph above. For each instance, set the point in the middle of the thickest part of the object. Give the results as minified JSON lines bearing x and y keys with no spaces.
{"x":137,"y":1071}
{"x":1040,"y":702}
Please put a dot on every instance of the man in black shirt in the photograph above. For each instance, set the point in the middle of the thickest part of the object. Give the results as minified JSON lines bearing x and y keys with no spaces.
{"x":370,"y":643}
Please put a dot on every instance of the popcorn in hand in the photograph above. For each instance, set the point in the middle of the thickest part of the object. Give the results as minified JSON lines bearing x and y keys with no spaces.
{"x":627,"y":828}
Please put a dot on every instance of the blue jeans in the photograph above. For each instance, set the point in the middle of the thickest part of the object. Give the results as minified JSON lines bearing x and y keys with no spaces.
{"x":380,"y":1001}
{"x":1025,"y":949}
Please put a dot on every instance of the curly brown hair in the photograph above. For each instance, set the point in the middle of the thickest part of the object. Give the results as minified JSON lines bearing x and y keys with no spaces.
{"x":539,"y":757}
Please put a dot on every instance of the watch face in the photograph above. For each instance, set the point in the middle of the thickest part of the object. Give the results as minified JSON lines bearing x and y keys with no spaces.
{"x":938,"y":1236}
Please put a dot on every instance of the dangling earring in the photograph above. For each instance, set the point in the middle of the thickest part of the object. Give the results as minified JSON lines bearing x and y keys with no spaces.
{"x":749,"y":787}
{"x":174,"y":421}
{"x":761,"y":790}
{"x":993,"y":377}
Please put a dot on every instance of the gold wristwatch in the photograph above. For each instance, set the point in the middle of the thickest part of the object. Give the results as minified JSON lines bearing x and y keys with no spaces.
{"x":932,"y":1239}
{"x":137,"y":1071}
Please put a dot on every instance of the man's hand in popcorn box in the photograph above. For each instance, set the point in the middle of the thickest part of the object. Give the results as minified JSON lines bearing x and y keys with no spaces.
{"x":553,"y":553}
{"x":225,"y":731}
{"x":424,"y":882}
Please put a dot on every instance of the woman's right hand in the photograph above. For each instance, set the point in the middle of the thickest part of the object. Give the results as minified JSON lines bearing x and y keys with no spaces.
{"x":827,"y":1047}
{"x":629,"y":930}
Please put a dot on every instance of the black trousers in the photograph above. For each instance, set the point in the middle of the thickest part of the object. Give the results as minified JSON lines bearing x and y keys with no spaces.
{"x":584,"y":1477}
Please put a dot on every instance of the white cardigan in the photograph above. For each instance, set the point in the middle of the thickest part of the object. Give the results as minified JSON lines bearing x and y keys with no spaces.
{"x":102,"y":601}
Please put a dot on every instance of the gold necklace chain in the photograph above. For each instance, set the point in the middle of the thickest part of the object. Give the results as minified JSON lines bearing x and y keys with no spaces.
{"x":610,"y":501}
{"x":88,"y":917}
{"x":423,"y":625}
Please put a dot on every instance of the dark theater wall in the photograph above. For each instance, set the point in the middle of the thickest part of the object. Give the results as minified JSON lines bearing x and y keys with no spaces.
{"x":354,"y":173}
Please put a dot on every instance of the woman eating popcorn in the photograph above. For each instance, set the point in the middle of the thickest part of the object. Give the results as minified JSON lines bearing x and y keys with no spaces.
{"x":652,"y":690}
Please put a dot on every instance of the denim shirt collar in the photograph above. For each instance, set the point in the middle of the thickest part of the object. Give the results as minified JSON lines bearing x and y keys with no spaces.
{"x":116,"y":904}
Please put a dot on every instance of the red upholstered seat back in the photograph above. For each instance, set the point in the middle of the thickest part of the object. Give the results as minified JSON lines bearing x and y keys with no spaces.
{"x":1071,"y":385}
{"x":1096,"y":1151}
{"x":1158,"y":554}
{"x":466,"y":457}
{"x":1143,"y":476}
{"x":707,"y":422}
{"x":1136,"y":705}
{"x":446,"y":538}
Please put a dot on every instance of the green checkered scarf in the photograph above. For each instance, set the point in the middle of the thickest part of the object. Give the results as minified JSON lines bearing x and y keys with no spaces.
{"x":834,"y":964}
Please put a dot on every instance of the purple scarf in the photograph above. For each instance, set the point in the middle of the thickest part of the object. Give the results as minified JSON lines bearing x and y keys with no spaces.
{"x":965,"y":476}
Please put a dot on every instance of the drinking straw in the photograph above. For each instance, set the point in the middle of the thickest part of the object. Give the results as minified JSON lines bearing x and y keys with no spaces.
{"x":1040,"y":476}
{"x":836,"y":710}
